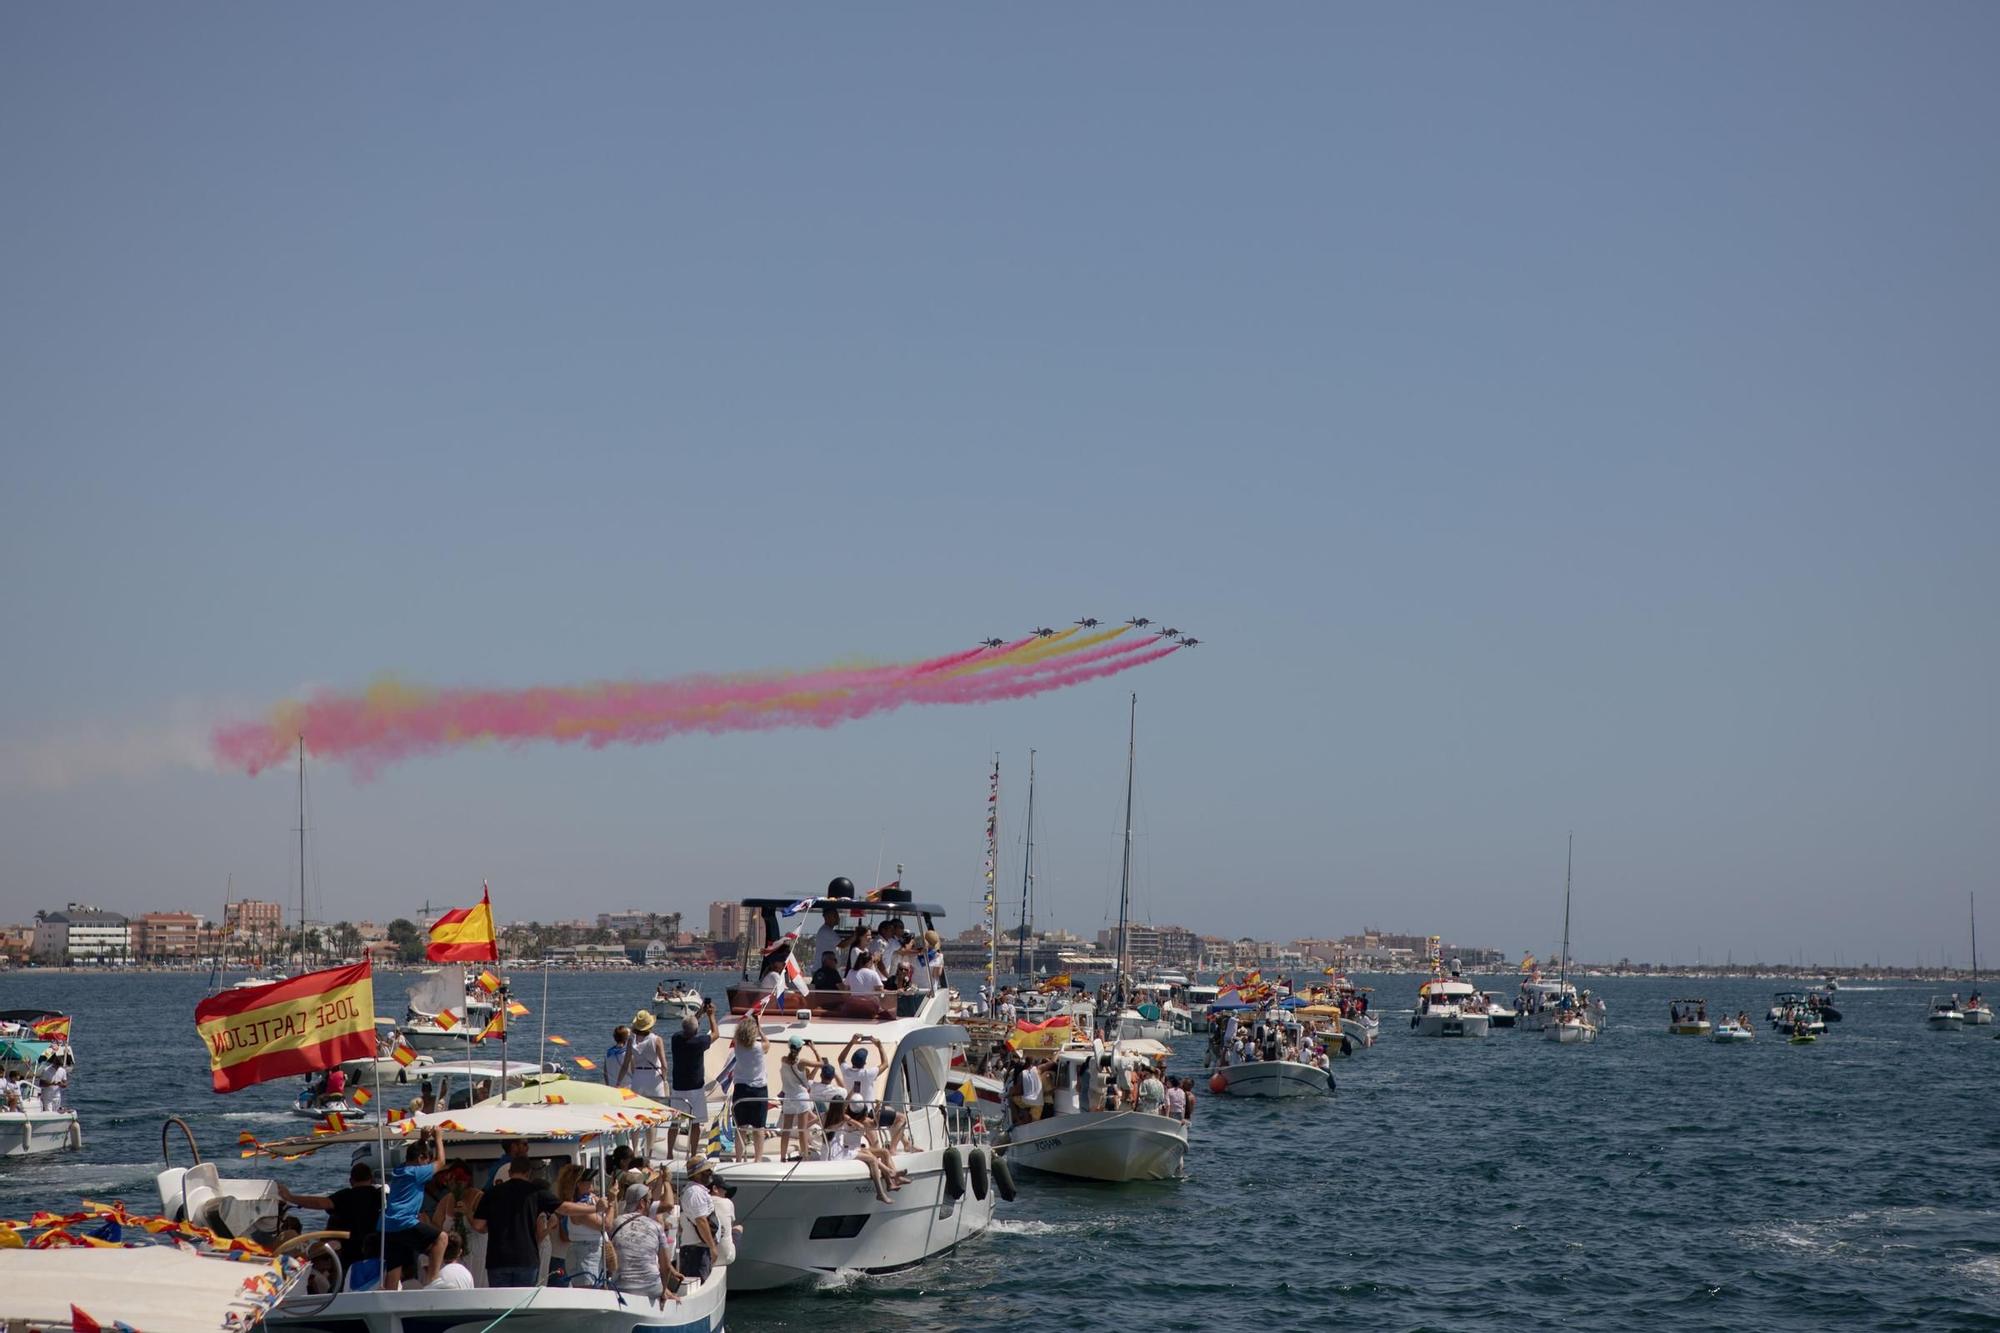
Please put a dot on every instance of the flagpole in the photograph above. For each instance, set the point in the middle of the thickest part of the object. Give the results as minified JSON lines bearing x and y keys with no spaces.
{"x":542,"y":1055}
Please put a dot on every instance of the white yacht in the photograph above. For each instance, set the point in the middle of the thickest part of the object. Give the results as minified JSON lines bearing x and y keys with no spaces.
{"x":446,"y":989}
{"x":1498,"y":1012}
{"x":1540,"y":1000}
{"x":1945,"y":1012}
{"x":1571,"y":1027}
{"x":250,"y":1207}
{"x":1977,"y":1012}
{"x":1730,"y":1032}
{"x":32,"y":1043}
{"x":1574,"y":1019}
{"x":1449,"y":1007}
{"x":1088,"y":1144}
{"x":1196,"y":1000}
{"x":1689,"y":1018}
{"x":163,"y":1288}
{"x":817,"y":1218}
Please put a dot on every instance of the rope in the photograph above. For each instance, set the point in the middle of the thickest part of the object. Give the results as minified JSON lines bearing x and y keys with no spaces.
{"x":532,"y":1293}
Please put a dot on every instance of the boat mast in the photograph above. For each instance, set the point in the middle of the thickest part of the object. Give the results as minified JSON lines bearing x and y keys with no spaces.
{"x":1027,"y":879}
{"x":1125,"y":870}
{"x":992,"y":899}
{"x":1562,"y":968}
{"x":302,"y":853}
{"x":1972,"y":914}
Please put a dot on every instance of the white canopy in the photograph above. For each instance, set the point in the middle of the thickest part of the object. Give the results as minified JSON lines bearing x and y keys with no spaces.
{"x":154,"y":1288}
{"x":496,"y":1119}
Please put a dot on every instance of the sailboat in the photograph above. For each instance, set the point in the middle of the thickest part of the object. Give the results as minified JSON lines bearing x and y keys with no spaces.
{"x":1083,"y":1139}
{"x":1976,"y":1011}
{"x":1572,"y":1023}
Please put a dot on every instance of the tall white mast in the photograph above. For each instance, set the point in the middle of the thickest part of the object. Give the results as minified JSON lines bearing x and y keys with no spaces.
{"x":1562,"y":968}
{"x":1125,"y":870}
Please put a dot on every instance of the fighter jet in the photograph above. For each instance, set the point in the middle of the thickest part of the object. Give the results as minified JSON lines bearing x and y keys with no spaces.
{"x":1045,"y":633}
{"x":1140,"y":621}
{"x":1169,"y":633}
{"x":1189,"y":642}
{"x":991,"y":643}
{"x":1087,"y":622}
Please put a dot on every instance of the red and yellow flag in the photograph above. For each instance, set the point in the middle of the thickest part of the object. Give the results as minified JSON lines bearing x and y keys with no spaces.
{"x":53,"y":1028}
{"x":403,"y":1053}
{"x":496,"y":1026}
{"x":310,"y":1022}
{"x":362,"y":1097}
{"x":1045,"y":1035}
{"x":515,"y":1009}
{"x":446,"y":1019}
{"x":465,"y":934}
{"x":488,"y":982}
{"x":585,"y":1060}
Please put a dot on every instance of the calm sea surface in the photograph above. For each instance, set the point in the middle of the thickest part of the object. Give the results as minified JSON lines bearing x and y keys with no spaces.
{"x":1503,"y":1184}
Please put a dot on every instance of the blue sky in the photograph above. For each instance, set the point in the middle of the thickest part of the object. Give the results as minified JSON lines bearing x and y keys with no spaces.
{"x":1550,"y":417}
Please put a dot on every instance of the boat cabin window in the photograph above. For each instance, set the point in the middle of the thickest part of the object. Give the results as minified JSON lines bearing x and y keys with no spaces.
{"x":838,"y":1227}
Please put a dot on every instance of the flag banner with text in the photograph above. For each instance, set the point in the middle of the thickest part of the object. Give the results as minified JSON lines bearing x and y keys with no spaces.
{"x":290,"y":1027}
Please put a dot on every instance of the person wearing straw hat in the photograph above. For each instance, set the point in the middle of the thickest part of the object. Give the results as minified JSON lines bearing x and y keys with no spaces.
{"x":698,"y":1244}
{"x":645,"y":1066}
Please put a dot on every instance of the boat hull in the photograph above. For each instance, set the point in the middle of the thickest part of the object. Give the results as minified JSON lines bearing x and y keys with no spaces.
{"x":1453,"y":1025}
{"x":1570,"y":1034}
{"x":1947,"y":1020}
{"x":1113,"y":1146}
{"x":1275,"y":1078}
{"x":816,"y":1219}
{"x":1363,"y":1030}
{"x":544,"y":1310}
{"x":1733,"y":1036}
{"x":1979,"y":1017}
{"x":1699,"y":1028}
{"x":31,"y":1133}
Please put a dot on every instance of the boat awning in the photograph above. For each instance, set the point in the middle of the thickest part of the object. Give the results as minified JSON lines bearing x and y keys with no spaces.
{"x":494,"y":1119}
{"x":152,"y":1288}
{"x":25,"y":1050}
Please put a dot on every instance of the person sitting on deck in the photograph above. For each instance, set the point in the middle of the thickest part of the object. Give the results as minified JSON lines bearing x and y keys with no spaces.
{"x":863,"y":979}
{"x":827,"y":975}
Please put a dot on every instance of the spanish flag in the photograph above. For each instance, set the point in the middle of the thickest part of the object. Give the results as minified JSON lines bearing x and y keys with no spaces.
{"x":488,"y":982}
{"x":515,"y":1009}
{"x":310,"y":1022}
{"x":1054,"y":983}
{"x":496,"y":1026}
{"x":53,"y":1028}
{"x":1045,"y":1035}
{"x":465,"y":934}
{"x":362,"y":1097}
{"x":446,"y":1019}
{"x":403,"y":1053}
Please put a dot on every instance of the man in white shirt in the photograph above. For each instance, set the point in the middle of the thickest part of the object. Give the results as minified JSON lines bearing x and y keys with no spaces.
{"x":865,"y":980}
{"x":55,"y":1082}
{"x":452,"y":1275}
{"x":828,"y":937}
{"x":858,"y":1074}
{"x":696,"y":1232}
{"x":1028,"y":1103}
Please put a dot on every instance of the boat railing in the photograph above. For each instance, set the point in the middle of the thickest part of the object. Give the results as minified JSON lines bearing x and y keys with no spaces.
{"x":834,"y":1004}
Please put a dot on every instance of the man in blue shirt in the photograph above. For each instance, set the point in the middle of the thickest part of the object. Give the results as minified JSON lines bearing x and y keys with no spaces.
{"x":689,"y":1086}
{"x":408,"y":1234}
{"x":614,"y":1059}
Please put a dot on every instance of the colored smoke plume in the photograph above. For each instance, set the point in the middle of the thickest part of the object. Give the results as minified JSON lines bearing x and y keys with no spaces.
{"x":390,"y":721}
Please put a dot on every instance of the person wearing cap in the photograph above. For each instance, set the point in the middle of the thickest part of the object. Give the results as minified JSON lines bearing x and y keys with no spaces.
{"x":641,"y":1261}
{"x":856,"y":1073}
{"x":827,"y":975}
{"x":698,"y":1245}
{"x":795,"y":1098}
{"x":645,"y":1065}
{"x":690,"y":1076}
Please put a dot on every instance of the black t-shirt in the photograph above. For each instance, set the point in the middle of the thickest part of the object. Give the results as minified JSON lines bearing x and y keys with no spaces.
{"x":357,"y":1210}
{"x":687,"y":1053}
{"x":510,"y":1210}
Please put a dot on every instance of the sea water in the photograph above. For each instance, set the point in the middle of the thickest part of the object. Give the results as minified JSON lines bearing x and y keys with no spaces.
{"x":1510,"y":1183}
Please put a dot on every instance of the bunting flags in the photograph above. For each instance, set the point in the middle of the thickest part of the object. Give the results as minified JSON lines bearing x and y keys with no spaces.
{"x":515,"y":1009}
{"x":554,"y":1040}
{"x":446,"y":1019}
{"x":403,"y":1053}
{"x":465,"y":934}
{"x":584,"y":1060}
{"x":310,"y":1022}
{"x":362,"y":1097}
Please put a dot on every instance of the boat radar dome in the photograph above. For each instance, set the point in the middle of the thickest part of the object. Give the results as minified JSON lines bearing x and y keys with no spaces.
{"x":840,"y":887}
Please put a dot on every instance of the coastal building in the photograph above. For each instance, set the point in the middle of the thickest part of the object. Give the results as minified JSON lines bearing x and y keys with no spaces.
{"x":251,"y":919}
{"x":82,"y":934}
{"x":166,"y":937}
{"x":1153,"y":946}
{"x":627,"y":922}
{"x":729,"y":921}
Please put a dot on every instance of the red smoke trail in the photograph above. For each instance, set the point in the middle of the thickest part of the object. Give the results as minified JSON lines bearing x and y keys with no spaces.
{"x":390,"y":721}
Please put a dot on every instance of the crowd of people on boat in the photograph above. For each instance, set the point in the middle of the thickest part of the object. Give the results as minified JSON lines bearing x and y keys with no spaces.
{"x":1104,"y":1080}
{"x":1267,"y":1037}
{"x":45,"y":1088}
{"x":453,"y":1224}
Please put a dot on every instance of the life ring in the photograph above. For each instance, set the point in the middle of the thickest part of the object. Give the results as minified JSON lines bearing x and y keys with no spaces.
{"x":1003,"y":1178}
{"x":954,"y":1173}
{"x":982,"y":1179}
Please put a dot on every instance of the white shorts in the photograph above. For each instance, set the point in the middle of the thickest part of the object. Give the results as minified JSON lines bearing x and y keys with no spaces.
{"x":694,"y":1102}
{"x":802,"y":1104}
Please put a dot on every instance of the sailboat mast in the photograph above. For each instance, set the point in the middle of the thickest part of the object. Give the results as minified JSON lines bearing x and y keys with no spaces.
{"x":302,"y":853}
{"x":1027,"y":879}
{"x":992,"y":897}
{"x":1125,"y":870}
{"x":1569,"y":863}
{"x":1972,"y":915}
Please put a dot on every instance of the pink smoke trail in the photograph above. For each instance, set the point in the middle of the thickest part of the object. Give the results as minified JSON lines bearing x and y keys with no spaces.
{"x":388,"y":721}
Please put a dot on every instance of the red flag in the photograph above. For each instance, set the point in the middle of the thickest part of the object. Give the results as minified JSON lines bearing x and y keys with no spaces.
{"x":83,"y":1323}
{"x":465,"y":934}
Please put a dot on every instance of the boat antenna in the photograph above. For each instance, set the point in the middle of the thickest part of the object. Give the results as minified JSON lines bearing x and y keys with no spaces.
{"x":1125,"y":870}
{"x":1569,"y":862}
{"x":1027,"y":879}
{"x":302,"y":852}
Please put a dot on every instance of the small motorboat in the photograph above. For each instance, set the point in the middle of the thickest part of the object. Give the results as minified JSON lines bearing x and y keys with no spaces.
{"x":1729,"y":1032}
{"x":1689,"y":1018}
{"x":1945,"y":1012}
{"x":1803,"y":1038}
{"x":677,"y":999}
{"x":1498,"y":1014}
